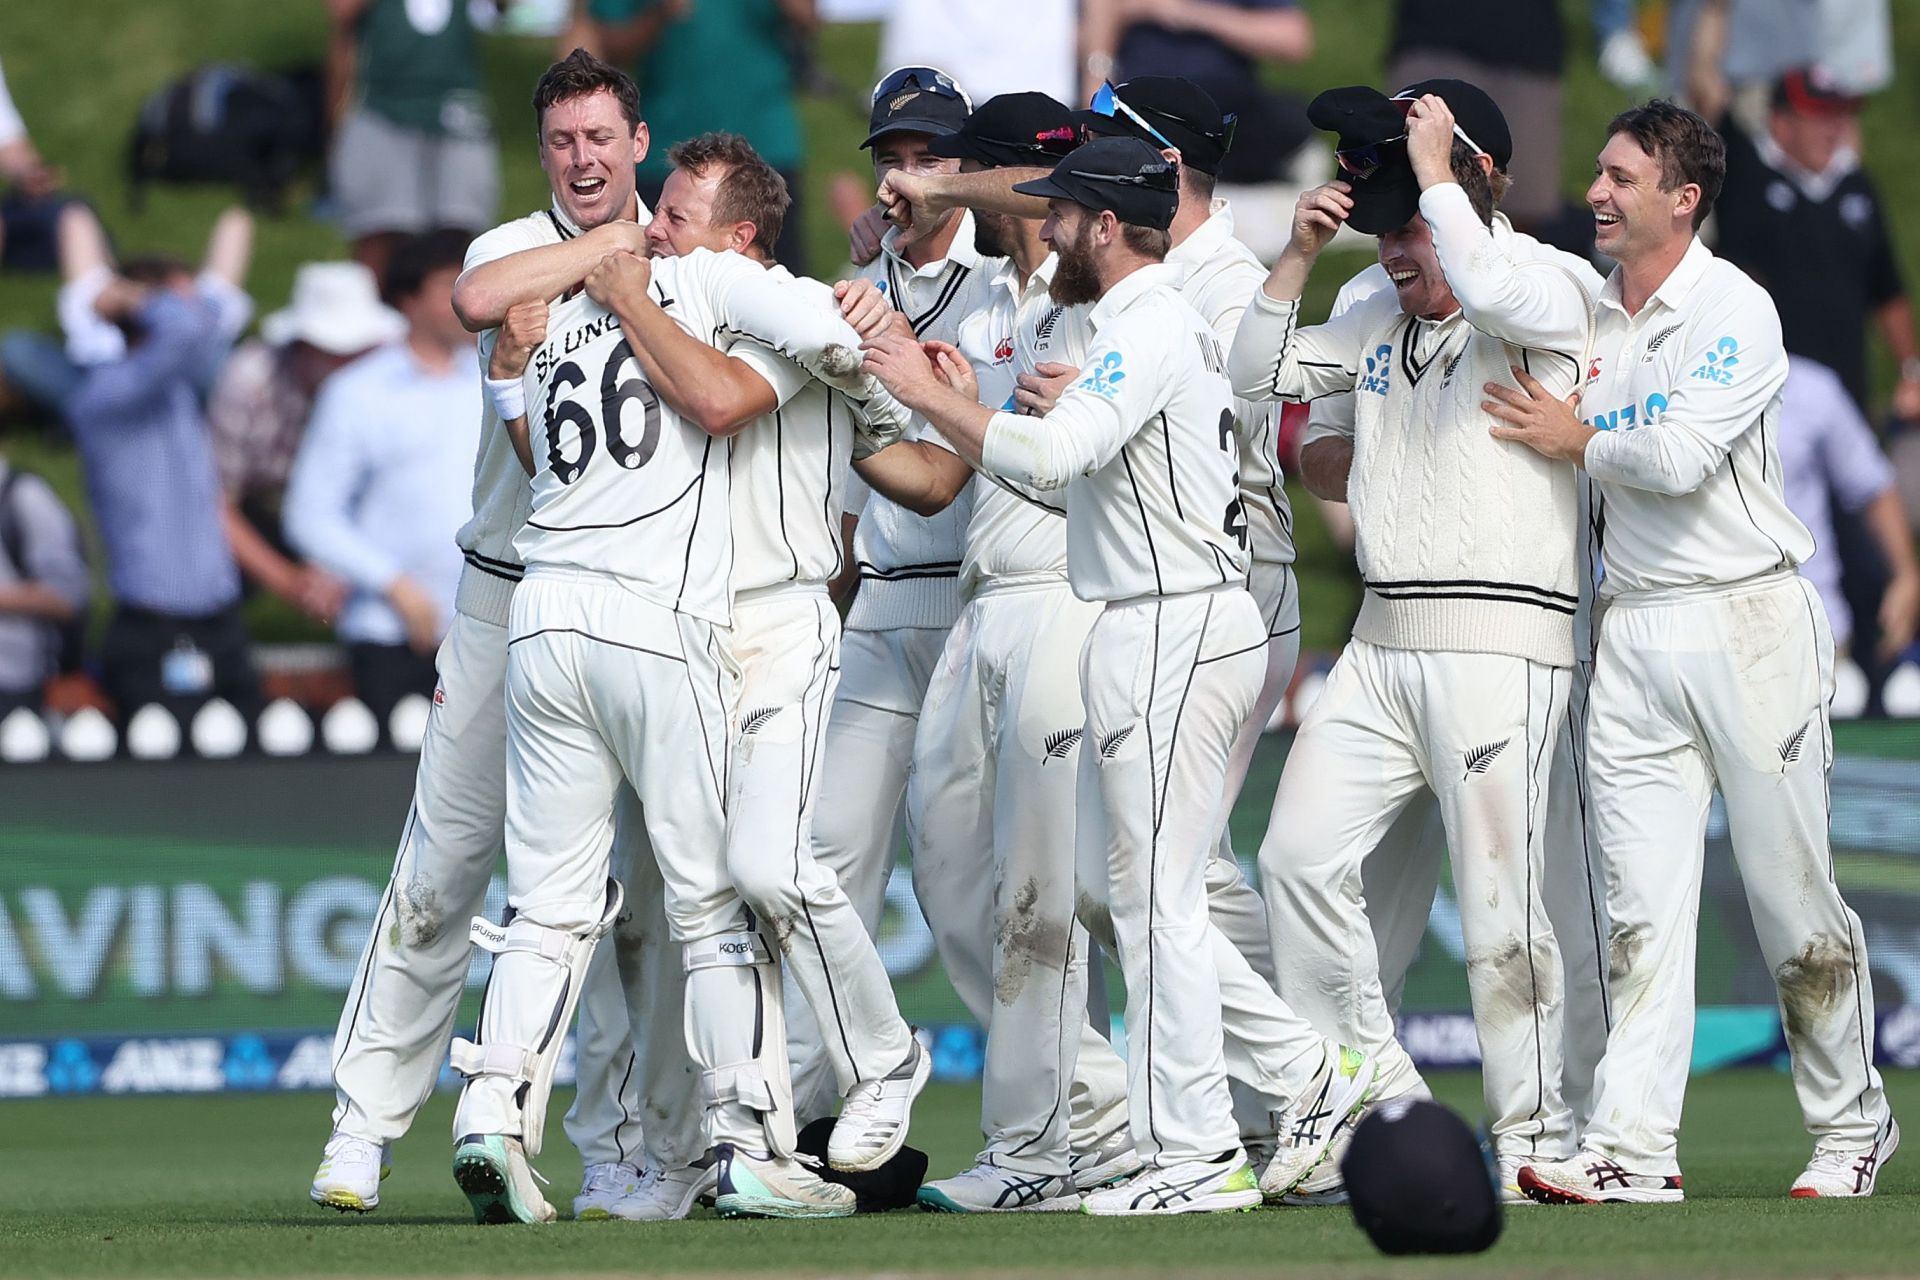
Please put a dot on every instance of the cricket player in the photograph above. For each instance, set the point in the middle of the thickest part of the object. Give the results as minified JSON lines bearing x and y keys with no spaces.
{"x":788,"y":469}
{"x":400,"y":1009}
{"x":1713,"y":668}
{"x":1461,"y":653}
{"x":1144,"y":446}
{"x":990,"y":799}
{"x":908,"y":565}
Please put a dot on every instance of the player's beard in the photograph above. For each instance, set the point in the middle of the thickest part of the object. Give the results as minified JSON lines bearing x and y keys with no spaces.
{"x":991,"y":234}
{"x":1075,"y":279}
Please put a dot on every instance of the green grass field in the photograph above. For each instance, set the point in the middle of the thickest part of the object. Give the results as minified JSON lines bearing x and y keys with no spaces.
{"x":217,"y":1187}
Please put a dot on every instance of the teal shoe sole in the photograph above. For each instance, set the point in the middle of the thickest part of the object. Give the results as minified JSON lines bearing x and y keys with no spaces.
{"x":485,"y":1185}
{"x":735,"y":1205}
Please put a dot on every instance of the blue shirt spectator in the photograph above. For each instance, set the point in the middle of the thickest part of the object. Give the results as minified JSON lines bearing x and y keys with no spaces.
{"x":43,"y":583}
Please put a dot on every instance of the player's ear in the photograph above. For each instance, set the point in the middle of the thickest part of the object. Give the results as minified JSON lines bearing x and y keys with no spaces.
{"x":741,"y":236}
{"x":642,"y":137}
{"x":1687,"y":199}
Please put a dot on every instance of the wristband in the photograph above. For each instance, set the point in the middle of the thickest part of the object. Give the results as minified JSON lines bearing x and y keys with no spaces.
{"x":509,"y":396}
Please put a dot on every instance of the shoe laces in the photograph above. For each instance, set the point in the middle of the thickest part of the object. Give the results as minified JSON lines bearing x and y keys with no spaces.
{"x":607,"y":1177}
{"x":345,"y":1151}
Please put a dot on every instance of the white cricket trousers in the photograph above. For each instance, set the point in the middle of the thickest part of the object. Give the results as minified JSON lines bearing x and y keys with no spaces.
{"x":990,"y":818}
{"x":858,"y":818}
{"x":1168,"y":683}
{"x":400,"y":1010}
{"x":1478,"y":730}
{"x":1727,"y":688}
{"x":603,"y":685}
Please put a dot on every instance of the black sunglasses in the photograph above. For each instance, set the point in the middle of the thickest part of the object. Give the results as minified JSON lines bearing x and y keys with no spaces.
{"x":925,"y":79}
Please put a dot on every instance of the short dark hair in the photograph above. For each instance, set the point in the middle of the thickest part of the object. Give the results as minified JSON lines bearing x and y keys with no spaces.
{"x":1197,"y":183}
{"x":749,"y":190}
{"x":1151,"y":242}
{"x":417,"y":257}
{"x":1484,"y":190}
{"x":579,"y":74}
{"x":1687,"y":147}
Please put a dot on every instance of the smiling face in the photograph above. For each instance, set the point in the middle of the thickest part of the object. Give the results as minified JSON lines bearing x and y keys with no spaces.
{"x":1632,"y":216}
{"x":1414,"y":267}
{"x":908,"y":151}
{"x":589,"y":151}
{"x":683,"y":218}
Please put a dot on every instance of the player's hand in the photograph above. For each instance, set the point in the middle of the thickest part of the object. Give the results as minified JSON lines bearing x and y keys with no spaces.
{"x":618,"y":275}
{"x":903,"y":367}
{"x":863,"y":236}
{"x":911,"y":198}
{"x":418,"y":614}
{"x":620,"y":236}
{"x":319,"y":594}
{"x":953,"y":368}
{"x":521,"y":334}
{"x":1549,"y":426}
{"x":1318,"y":216}
{"x":1035,"y":394}
{"x":1430,"y":141}
{"x":1899,"y":614}
{"x":864,"y":307}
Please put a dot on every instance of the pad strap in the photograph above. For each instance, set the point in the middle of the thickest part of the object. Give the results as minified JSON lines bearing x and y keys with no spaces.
{"x":726,"y":950}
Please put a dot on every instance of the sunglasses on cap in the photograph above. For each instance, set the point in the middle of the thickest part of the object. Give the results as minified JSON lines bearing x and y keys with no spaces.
{"x":1364,"y":162}
{"x":925,"y":79}
{"x":1108,"y":102}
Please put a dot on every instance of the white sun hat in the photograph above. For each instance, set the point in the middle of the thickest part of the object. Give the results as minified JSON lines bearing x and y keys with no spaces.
{"x":336,"y":307}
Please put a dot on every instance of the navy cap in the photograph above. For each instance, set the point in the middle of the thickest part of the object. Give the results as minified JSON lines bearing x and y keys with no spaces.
{"x":916,"y":100}
{"x":1418,"y":1181}
{"x":1122,"y":174}
{"x":1177,"y":113}
{"x":1372,"y":147}
{"x":1012,"y":129}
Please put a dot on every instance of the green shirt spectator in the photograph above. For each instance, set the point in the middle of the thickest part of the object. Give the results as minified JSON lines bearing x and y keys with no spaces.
{"x":719,"y":65}
{"x":418,"y":66}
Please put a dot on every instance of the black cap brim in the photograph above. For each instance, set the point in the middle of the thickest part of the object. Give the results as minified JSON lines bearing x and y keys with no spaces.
{"x":932,"y":128}
{"x":1046,"y":188}
{"x":1384,"y":201}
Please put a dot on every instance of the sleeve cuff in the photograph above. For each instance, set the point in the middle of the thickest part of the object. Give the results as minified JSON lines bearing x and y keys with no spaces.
{"x":1270,"y":306}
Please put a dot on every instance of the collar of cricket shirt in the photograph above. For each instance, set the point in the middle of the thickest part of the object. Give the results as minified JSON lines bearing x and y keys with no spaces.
{"x":961,"y":251}
{"x":1207,"y":239}
{"x":1121,"y":296}
{"x":1675,"y":289}
{"x":569,"y":228}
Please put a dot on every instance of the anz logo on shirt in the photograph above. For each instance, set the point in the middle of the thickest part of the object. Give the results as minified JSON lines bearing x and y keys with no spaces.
{"x":1627,"y":417}
{"x":1104,"y":378}
{"x":1378,"y":374}
{"x":1719,"y":363}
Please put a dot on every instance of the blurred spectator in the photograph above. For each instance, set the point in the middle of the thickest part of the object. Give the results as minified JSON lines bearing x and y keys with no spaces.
{"x":706,"y":65}
{"x":259,"y":413}
{"x":1800,"y":214}
{"x":28,"y":205}
{"x":1219,"y":44}
{"x":412,"y":147}
{"x":43,"y":584}
{"x":1516,"y":51}
{"x":1829,"y":455}
{"x":970,"y":43}
{"x":1728,"y":54}
{"x":384,"y":479}
{"x":146,"y":340}
{"x":1622,"y":53}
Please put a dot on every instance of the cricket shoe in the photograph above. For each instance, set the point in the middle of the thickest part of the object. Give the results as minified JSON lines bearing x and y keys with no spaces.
{"x":1326,"y":1185}
{"x":666,"y":1195}
{"x":349,"y":1175}
{"x":1589,"y":1178}
{"x":873,"y":1124}
{"x":1221,"y":1185}
{"x":501,"y":1186}
{"x":1507,"y":1179}
{"x":1835,"y":1173}
{"x":1114,"y":1160}
{"x":601,"y":1185}
{"x":987,"y":1188}
{"x":750,"y":1185}
{"x":1325,"y":1113}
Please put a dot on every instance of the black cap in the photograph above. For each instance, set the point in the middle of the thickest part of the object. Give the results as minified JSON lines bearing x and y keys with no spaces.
{"x":1122,"y":174}
{"x":1184,"y":115}
{"x":1418,"y":1181}
{"x":894,"y":1185}
{"x":916,"y":100}
{"x":1373,"y":128}
{"x":1012,"y":129}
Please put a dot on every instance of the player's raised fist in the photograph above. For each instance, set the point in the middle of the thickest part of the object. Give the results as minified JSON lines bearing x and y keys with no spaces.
{"x":524,"y":329}
{"x":619,"y":274}
{"x":1318,"y":216}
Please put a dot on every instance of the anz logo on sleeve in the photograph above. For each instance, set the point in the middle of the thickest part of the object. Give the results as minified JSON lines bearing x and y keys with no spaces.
{"x":1627,"y":417}
{"x":1105,"y":378}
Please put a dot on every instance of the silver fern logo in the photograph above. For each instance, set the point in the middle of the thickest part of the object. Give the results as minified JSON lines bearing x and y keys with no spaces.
{"x":1660,"y":340}
{"x":1061,"y":742}
{"x":1112,"y":742}
{"x":1481,"y":758}
{"x":755,"y":720}
{"x":1790,"y":749}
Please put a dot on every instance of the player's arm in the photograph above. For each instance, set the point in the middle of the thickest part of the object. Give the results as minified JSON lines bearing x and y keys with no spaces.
{"x":1272,"y":358}
{"x":710,"y":389}
{"x":910,"y":198}
{"x":521,"y":333}
{"x":920,"y":476}
{"x":491,"y":286}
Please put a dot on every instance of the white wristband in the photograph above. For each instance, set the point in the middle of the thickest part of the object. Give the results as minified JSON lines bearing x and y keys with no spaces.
{"x":509,"y":396}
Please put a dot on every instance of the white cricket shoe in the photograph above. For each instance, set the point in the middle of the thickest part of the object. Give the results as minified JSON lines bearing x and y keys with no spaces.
{"x":349,"y":1175}
{"x":1341,"y":1090}
{"x":1852,"y":1173}
{"x":1197,"y":1186}
{"x":501,"y":1186}
{"x":751,"y":1185}
{"x":987,"y":1188}
{"x":1114,"y":1160}
{"x":873,"y":1124}
{"x":1507,"y":1169}
{"x":666,"y":1195}
{"x":600,"y":1186}
{"x":1326,"y":1185}
{"x":1590,"y":1178}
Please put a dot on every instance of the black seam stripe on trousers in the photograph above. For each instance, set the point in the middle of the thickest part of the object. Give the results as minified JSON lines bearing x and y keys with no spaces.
{"x":1577,"y":758}
{"x":1534,"y":760}
{"x":1153,"y":849}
